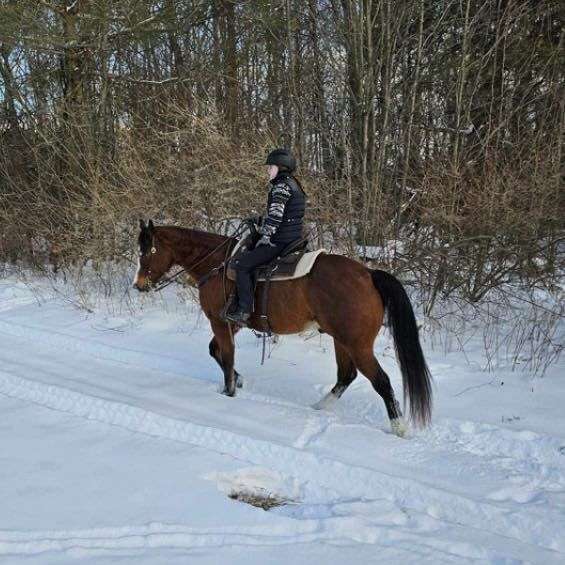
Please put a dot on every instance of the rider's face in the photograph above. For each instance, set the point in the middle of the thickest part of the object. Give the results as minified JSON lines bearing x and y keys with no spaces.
{"x":272,"y":171}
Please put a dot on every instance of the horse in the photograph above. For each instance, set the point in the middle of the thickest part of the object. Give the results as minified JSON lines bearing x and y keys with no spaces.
{"x":340,"y":297}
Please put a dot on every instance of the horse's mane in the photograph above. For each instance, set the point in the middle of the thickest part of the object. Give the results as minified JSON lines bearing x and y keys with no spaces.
{"x":192,"y":237}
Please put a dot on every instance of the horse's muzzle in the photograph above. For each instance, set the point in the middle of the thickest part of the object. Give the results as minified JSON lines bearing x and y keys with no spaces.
{"x":142,"y":284}
{"x":141,"y":288}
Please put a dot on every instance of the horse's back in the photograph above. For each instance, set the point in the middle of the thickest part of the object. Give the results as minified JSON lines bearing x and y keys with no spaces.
{"x":341,"y":274}
{"x":337,"y":295}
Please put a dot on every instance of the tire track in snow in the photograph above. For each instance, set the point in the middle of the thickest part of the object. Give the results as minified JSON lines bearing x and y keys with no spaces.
{"x":541,"y":528}
{"x":336,"y":531}
{"x":479,"y":439}
{"x":458,"y":440}
{"x":140,"y":359}
{"x":131,"y":358}
{"x":125,"y":356}
{"x":96,"y":349}
{"x":159,"y":535}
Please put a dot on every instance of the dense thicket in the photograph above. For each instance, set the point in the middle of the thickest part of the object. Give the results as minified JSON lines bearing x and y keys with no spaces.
{"x":431,"y":129}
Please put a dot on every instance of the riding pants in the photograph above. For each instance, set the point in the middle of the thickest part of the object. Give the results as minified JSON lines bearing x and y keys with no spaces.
{"x":244,"y":264}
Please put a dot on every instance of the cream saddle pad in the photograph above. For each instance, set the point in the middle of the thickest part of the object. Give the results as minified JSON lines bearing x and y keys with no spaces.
{"x":292,"y":266}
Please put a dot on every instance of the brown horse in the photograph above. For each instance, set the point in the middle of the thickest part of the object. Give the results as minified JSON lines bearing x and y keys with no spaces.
{"x":340,"y":297}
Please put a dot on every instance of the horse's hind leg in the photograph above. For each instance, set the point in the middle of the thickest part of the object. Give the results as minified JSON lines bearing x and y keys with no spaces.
{"x":367,"y":363}
{"x":346,"y":373}
{"x":214,"y":349}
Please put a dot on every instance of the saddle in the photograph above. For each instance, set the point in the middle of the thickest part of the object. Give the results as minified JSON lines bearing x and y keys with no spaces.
{"x":294,"y":262}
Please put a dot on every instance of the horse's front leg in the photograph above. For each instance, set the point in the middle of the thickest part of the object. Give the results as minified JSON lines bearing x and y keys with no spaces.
{"x":214,"y":350}
{"x":226,"y":352}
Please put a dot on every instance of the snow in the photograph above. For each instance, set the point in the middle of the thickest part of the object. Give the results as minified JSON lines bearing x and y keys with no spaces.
{"x":118,"y":448}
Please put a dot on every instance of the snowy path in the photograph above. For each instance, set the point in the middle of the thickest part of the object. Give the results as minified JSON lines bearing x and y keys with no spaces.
{"x":472,"y":488}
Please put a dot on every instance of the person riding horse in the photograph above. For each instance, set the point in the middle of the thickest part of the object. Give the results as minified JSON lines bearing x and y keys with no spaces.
{"x":281,"y":226}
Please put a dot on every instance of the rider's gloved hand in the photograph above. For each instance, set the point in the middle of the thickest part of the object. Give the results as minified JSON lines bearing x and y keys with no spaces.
{"x":265,"y":240}
{"x":257,"y":219}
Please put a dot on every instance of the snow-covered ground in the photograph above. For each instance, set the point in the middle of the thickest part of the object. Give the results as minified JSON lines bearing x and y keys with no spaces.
{"x":116,"y":447}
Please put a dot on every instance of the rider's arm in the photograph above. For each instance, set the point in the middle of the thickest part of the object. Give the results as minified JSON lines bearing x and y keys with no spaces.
{"x":275,"y":213}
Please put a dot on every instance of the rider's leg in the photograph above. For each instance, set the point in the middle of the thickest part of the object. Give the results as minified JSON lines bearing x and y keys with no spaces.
{"x":244,"y":282}
{"x":244,"y":265}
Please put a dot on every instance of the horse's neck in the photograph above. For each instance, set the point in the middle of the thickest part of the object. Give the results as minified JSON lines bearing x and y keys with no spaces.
{"x":196,"y":251}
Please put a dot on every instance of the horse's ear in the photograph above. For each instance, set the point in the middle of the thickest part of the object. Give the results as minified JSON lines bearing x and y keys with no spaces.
{"x":141,"y":224}
{"x":150,"y":225}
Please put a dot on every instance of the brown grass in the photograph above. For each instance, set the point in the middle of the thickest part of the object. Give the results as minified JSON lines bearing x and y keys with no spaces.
{"x":265,"y":501}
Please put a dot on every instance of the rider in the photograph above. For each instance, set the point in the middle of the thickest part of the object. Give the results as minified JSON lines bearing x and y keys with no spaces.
{"x":281,"y":226}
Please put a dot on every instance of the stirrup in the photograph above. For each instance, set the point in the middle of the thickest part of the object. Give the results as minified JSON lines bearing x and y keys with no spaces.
{"x":238,"y":317}
{"x":230,"y":307}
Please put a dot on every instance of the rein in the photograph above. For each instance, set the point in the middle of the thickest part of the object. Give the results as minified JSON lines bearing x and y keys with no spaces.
{"x":165,"y":283}
{"x":168,"y":281}
{"x":202,"y":280}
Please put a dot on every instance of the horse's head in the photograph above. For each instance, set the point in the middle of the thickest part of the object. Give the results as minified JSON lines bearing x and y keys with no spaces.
{"x":155,"y":258}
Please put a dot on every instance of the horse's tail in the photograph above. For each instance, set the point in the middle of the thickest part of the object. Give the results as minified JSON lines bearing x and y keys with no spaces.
{"x":416,"y":378}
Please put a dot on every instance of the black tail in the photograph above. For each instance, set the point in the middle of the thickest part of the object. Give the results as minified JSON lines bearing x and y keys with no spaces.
{"x":416,"y":377}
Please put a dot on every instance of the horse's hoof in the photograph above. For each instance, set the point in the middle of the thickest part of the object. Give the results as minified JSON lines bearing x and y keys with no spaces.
{"x":227,"y":392}
{"x":326,"y":402}
{"x":239,"y":382}
{"x":398,"y":427}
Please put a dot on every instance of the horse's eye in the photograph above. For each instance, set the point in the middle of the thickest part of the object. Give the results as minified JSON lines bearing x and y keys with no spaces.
{"x":153,"y":250}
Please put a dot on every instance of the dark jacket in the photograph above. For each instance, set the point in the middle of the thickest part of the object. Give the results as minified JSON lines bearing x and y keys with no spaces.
{"x":286,"y":205}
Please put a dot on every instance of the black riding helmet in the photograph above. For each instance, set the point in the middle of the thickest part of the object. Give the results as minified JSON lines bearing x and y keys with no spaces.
{"x":283,"y":159}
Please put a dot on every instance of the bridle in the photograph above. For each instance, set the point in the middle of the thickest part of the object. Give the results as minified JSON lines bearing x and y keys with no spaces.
{"x":169,"y":280}
{"x":204,"y":279}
